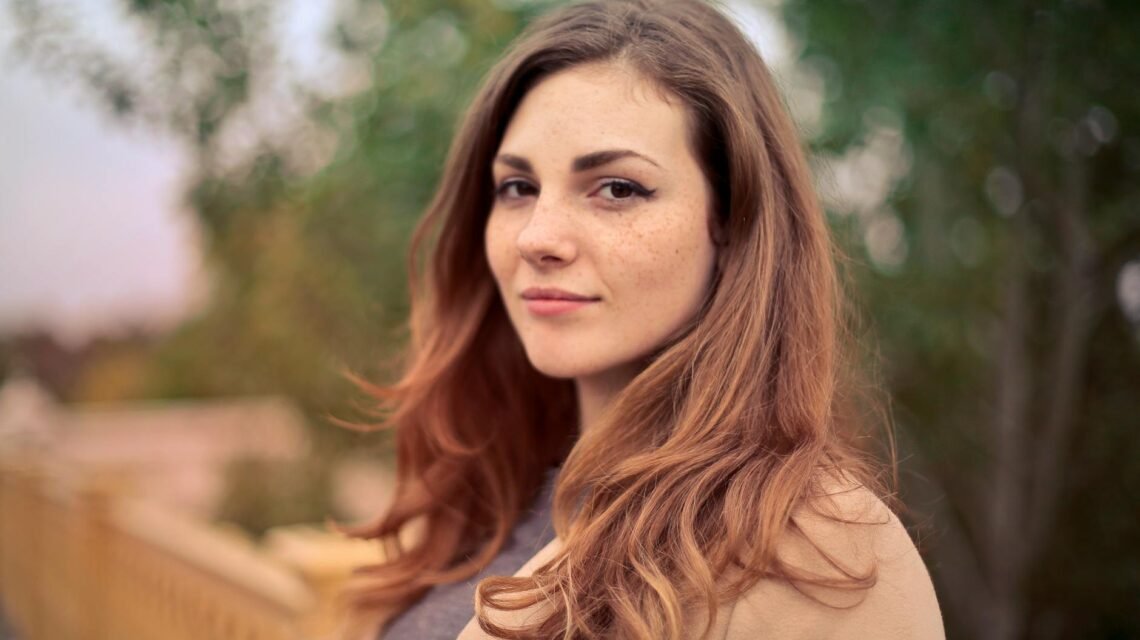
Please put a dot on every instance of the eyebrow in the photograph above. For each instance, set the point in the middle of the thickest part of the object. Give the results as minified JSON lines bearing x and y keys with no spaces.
{"x":599,"y":158}
{"x":581,"y":163}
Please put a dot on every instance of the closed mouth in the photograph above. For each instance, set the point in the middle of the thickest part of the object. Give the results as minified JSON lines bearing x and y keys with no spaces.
{"x":543,"y":293}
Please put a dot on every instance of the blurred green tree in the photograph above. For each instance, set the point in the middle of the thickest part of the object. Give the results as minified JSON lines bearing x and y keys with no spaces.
{"x":305,"y":222}
{"x":306,"y":189}
{"x":1010,"y":133}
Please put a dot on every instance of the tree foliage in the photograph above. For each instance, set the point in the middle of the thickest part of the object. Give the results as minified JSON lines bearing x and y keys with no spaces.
{"x":305,"y":223}
{"x":996,"y":260}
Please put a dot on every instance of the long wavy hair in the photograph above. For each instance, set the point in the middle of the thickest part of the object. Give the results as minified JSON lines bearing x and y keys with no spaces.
{"x":675,"y":501}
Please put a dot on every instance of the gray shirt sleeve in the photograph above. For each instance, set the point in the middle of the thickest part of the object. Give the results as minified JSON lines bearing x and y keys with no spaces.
{"x":443,"y":612}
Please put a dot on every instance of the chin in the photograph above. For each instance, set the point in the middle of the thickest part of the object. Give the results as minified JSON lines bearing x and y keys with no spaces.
{"x":557,"y":364}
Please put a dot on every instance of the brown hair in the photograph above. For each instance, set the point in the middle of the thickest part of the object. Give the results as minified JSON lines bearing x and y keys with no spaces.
{"x":675,"y":500}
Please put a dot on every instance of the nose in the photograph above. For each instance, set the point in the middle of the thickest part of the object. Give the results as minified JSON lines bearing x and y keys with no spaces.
{"x":546,"y":240}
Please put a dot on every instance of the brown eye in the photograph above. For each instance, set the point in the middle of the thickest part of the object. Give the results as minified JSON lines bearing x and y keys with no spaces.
{"x":512,"y":189}
{"x":620,"y":190}
{"x":623,"y":190}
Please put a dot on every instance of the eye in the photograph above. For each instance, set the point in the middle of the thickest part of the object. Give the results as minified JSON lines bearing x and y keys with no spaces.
{"x":515,"y":188}
{"x":616,"y":189}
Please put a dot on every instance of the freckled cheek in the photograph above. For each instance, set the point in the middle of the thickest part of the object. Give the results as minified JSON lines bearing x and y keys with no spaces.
{"x":667,"y":268}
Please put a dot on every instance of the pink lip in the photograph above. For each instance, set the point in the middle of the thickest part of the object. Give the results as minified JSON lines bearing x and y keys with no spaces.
{"x":543,"y":301}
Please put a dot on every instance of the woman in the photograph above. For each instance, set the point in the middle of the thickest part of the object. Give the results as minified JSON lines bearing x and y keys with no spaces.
{"x":628,"y":299}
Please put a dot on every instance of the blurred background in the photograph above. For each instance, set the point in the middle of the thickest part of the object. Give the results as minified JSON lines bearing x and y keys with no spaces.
{"x":204,"y":209}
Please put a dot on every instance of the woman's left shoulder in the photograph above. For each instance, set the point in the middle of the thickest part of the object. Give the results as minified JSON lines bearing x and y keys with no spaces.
{"x":864,"y":575}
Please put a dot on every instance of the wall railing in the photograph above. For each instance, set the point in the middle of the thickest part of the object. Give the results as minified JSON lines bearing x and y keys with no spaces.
{"x":80,"y":560}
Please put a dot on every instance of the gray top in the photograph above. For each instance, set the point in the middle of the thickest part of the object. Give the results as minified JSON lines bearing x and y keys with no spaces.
{"x":443,"y":612}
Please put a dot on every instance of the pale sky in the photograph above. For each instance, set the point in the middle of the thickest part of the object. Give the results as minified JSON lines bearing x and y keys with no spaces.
{"x":92,"y":237}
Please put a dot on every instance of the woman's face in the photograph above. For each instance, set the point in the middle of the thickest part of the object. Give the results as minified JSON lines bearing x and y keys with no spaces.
{"x":598,"y":238}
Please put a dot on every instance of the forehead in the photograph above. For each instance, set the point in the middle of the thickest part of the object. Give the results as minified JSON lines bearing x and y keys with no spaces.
{"x":598,"y":106}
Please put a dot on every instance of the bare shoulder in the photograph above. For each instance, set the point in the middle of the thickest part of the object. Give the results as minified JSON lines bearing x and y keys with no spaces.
{"x":844,"y":535}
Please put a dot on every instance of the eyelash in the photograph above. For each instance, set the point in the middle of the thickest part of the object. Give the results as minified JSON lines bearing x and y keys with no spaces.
{"x":636,"y":189}
{"x":501,"y":190}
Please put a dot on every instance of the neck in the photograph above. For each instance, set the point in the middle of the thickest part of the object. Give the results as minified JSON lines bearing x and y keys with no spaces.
{"x":595,"y":393}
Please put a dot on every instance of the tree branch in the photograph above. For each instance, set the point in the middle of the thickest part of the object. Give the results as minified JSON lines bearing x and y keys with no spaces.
{"x":1074,"y":283}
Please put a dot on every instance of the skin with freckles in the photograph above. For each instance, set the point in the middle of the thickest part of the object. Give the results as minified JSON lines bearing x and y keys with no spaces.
{"x":598,"y":194}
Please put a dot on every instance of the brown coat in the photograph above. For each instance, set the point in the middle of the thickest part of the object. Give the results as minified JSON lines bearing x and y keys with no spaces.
{"x":900,"y":606}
